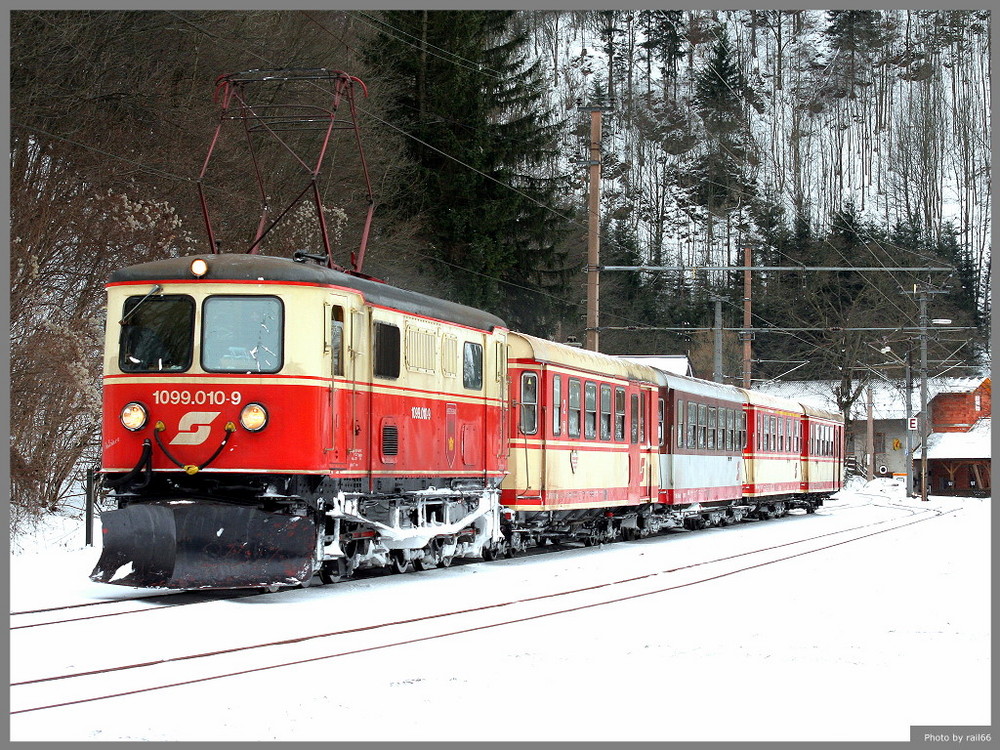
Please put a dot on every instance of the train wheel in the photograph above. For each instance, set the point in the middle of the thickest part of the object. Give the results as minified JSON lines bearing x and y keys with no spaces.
{"x":333,"y":571}
{"x":398,"y":561}
{"x":489,"y":553}
{"x":445,"y":561}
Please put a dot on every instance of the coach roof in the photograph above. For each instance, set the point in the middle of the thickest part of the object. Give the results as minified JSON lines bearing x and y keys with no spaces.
{"x":524,"y":346}
{"x":248,"y":267}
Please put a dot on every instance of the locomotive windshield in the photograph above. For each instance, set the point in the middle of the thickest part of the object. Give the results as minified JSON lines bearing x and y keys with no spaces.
{"x":242,"y":334}
{"x":157,"y":334}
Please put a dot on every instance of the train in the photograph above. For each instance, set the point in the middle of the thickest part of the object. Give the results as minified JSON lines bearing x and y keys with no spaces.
{"x":272,"y":422}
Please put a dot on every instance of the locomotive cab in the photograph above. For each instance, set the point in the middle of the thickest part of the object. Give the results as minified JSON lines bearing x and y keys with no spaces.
{"x":263,"y":417}
{"x":215,"y":402}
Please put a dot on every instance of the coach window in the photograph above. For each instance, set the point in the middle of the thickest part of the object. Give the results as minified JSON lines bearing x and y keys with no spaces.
{"x":702,"y":425}
{"x":620,"y":414}
{"x":590,"y":411}
{"x":692,"y":425}
{"x":634,"y":427}
{"x":741,"y":423}
{"x":660,"y":413}
{"x":157,"y":334}
{"x":472,"y":366}
{"x":556,"y":404}
{"x":242,"y":334}
{"x":605,"y":412}
{"x":643,"y":410}
{"x":781,"y":434}
{"x":711,"y":427}
{"x":574,"y":408}
{"x":680,"y":424}
{"x":730,"y":429}
{"x":529,"y":403}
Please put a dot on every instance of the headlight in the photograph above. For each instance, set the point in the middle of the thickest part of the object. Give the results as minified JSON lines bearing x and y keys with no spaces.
{"x":134,"y":416}
{"x":253,"y":417}
{"x":199,"y":267}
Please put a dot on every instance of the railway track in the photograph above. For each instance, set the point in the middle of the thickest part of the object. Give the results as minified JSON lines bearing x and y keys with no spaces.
{"x":49,"y":692}
{"x":93,"y":610}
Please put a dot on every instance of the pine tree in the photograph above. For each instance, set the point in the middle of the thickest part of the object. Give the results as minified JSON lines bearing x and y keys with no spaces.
{"x":665,"y":42}
{"x":720,"y":88}
{"x":482,"y":138}
{"x":855,"y":35}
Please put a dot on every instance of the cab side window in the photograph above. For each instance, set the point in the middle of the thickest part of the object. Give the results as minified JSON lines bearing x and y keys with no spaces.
{"x":386,"y":351}
{"x":472,"y":366}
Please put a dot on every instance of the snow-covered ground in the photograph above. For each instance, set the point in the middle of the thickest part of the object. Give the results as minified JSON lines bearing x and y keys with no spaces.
{"x":856,"y":640}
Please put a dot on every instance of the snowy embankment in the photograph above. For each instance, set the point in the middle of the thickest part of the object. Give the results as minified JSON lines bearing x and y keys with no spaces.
{"x":851,"y":624}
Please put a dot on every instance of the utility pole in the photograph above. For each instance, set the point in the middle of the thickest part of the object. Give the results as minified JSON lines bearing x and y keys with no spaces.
{"x":908,"y":447}
{"x":747,"y":333}
{"x":594,"y":230}
{"x":870,"y":437}
{"x":925,"y":418}
{"x":717,"y":370}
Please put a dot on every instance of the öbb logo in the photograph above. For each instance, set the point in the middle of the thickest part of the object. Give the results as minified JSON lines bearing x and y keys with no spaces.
{"x":194,"y":428}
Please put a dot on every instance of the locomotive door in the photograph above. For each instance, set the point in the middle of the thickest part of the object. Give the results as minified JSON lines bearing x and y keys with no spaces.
{"x":342,"y":357}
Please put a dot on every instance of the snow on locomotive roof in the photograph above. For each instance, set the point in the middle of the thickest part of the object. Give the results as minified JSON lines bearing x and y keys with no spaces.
{"x":246,"y":267}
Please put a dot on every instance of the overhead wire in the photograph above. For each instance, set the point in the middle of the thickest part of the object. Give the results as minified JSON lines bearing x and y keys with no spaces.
{"x":217,"y":39}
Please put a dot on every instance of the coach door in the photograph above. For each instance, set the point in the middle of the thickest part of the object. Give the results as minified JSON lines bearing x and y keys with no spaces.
{"x":636,"y":452}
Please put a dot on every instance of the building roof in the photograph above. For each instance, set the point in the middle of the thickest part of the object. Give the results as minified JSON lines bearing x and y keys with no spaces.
{"x":958,"y":445}
{"x":888,"y":397}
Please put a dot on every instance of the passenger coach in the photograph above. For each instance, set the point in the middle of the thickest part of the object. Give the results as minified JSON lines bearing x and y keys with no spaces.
{"x":584,"y":440}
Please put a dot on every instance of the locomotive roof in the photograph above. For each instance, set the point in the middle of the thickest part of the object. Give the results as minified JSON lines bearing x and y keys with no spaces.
{"x":246,"y":267}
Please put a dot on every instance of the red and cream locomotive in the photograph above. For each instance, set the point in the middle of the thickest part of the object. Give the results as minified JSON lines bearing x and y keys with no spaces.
{"x":267,"y":420}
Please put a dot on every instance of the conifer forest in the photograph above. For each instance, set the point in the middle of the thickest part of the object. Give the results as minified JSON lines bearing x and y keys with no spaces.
{"x":833,"y":139}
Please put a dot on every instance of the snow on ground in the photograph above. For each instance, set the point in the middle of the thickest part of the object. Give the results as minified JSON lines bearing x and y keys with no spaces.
{"x":858,"y":641}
